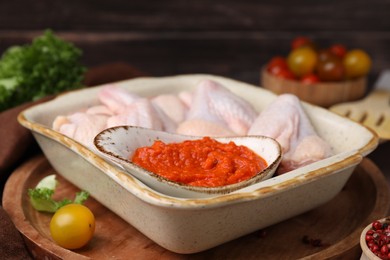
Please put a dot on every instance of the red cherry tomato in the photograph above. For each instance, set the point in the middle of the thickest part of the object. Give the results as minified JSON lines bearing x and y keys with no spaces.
{"x":310,"y":79}
{"x":300,"y":41}
{"x":331,"y":69}
{"x":338,"y":50}
{"x":286,"y":74}
{"x":276,"y":64}
{"x":326,"y":54}
{"x":278,"y":61}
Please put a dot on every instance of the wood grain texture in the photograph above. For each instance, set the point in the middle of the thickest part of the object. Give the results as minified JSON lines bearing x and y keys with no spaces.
{"x":337,"y":224}
{"x":228,"y":38}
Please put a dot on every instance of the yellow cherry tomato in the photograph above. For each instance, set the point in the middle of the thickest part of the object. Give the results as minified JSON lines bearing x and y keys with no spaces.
{"x":72,"y":226}
{"x":357,"y":63}
{"x":302,"y":61}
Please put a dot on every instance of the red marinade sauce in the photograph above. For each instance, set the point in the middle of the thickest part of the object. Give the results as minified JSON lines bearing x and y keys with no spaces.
{"x":204,"y":162}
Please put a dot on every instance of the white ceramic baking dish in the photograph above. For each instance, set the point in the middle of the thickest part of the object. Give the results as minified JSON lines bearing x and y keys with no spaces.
{"x":193,"y":225}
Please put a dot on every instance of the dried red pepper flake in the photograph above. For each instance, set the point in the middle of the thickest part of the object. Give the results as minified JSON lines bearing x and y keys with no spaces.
{"x":316,"y":242}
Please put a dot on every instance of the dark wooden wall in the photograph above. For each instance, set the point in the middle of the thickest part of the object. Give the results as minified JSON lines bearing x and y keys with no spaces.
{"x":232,"y":38}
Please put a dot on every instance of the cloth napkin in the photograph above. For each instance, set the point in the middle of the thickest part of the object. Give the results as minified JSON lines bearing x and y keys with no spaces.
{"x":18,"y":144}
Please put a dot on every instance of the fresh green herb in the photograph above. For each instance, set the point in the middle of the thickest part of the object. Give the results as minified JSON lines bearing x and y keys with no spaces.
{"x":48,"y":65}
{"x":41,"y":196}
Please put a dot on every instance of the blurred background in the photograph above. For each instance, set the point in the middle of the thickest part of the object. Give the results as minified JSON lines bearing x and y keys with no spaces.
{"x":228,"y":38}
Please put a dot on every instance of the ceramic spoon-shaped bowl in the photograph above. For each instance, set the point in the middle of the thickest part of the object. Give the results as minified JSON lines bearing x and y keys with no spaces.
{"x":118,"y":144}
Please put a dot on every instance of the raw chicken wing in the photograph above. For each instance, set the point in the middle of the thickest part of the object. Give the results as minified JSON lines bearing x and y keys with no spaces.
{"x":80,"y":126}
{"x":214,"y":103}
{"x":286,"y":121}
{"x":142,"y":113}
{"x":116,"y":98}
{"x":172,"y":106}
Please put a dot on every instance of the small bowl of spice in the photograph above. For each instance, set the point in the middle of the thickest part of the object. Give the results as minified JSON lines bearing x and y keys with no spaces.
{"x":189,"y":166}
{"x":375,"y":240}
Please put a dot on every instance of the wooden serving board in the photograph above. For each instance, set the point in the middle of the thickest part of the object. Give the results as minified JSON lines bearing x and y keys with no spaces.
{"x":336,"y":225}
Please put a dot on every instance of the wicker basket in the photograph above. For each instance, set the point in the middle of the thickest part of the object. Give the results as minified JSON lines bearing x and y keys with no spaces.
{"x":321,"y":94}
